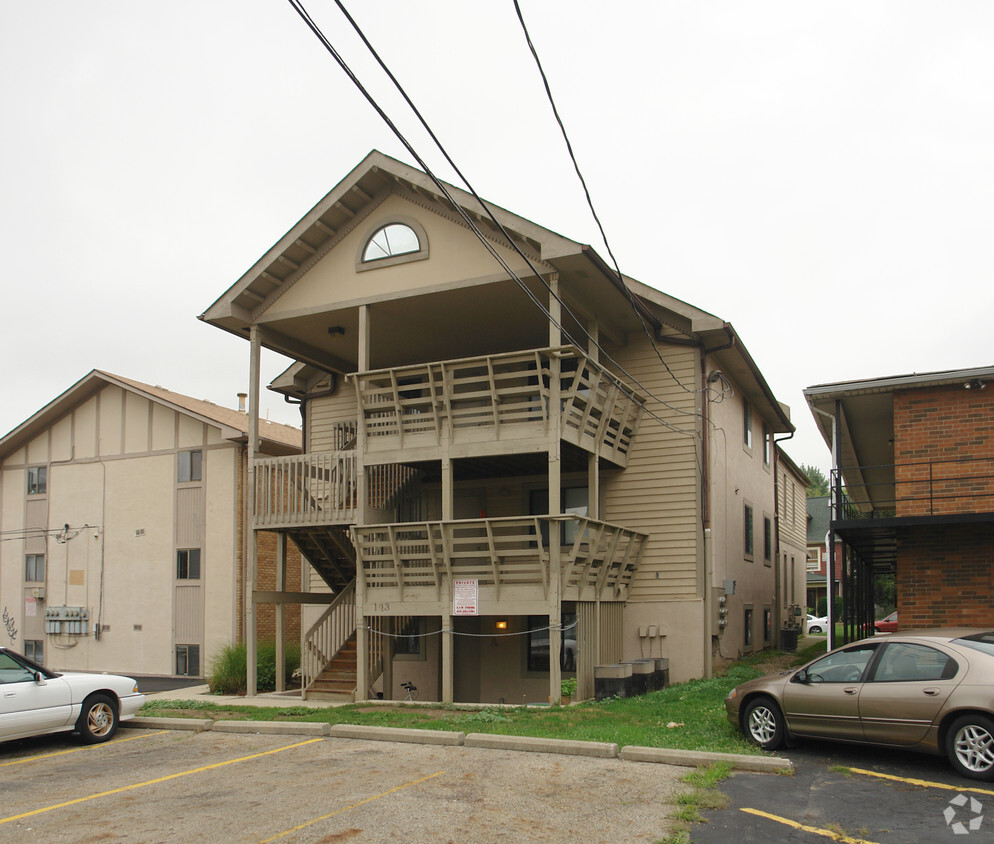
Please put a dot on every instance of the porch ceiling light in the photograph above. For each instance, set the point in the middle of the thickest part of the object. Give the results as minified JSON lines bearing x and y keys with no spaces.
{"x":336,"y":329}
{"x":502,"y":624}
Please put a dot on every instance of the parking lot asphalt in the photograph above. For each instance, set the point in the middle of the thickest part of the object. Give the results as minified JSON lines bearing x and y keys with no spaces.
{"x":852,"y":794}
{"x":176,"y":786}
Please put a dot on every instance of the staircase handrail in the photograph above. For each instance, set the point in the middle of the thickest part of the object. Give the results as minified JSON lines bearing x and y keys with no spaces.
{"x":326,"y":636}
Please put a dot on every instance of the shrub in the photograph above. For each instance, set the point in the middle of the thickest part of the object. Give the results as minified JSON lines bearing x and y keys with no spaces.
{"x":228,"y":674}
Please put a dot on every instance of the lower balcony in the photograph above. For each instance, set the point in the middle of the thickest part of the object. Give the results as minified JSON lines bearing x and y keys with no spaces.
{"x":508,"y":561}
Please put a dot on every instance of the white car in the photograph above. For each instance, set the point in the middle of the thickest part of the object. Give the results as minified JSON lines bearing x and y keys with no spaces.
{"x":34,"y":701}
{"x":816,"y":624}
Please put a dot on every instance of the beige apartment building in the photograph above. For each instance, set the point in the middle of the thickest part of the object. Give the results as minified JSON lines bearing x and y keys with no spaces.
{"x":516,"y":466}
{"x":122,"y":518}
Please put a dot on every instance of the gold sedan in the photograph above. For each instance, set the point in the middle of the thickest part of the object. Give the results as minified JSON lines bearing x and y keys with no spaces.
{"x":925,"y":690}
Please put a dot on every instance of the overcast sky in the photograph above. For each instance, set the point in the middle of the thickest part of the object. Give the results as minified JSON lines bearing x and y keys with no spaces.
{"x":821,"y":175}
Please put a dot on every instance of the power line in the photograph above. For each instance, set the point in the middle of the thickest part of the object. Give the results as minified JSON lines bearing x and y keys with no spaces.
{"x":590,"y":204}
{"x":302,"y":12}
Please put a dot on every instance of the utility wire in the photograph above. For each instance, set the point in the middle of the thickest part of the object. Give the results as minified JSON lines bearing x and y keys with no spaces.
{"x":590,"y":204}
{"x":305,"y":16}
{"x":424,"y":123}
{"x":298,"y":7}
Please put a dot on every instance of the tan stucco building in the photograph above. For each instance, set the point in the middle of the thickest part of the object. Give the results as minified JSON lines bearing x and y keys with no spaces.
{"x":122,"y":517}
{"x":516,"y":464}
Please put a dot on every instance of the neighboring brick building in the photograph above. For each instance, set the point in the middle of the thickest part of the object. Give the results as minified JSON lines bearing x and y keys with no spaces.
{"x":916,"y":457}
{"x":123,"y":516}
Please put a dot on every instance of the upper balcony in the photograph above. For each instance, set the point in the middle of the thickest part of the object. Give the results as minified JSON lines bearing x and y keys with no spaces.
{"x":478,"y":406}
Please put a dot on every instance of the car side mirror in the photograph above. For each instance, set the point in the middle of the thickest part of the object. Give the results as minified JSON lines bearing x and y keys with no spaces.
{"x":40,"y":679}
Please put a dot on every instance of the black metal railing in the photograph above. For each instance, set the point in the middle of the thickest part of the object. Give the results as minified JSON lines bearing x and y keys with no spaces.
{"x":915,"y":488}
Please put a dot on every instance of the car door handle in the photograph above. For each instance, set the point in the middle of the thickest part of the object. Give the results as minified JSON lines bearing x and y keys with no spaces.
{"x":9,"y":693}
{"x":850,"y":690}
{"x":931,"y":692}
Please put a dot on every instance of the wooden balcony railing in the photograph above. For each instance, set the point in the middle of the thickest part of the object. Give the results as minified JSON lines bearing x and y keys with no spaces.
{"x":304,"y":490}
{"x":597,"y":559}
{"x":508,"y":394}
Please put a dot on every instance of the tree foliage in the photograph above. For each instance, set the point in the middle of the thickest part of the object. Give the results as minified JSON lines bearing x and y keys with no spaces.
{"x":818,"y":481}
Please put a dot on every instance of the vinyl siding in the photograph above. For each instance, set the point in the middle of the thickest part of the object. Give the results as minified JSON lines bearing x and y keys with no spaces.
{"x":658,"y":493}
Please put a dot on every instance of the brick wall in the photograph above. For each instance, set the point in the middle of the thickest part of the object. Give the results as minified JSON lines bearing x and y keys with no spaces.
{"x":944,"y":450}
{"x":945,"y":576}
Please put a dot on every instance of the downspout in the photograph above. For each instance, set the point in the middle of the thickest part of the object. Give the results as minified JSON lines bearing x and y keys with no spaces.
{"x":778,"y":585}
{"x":706,"y":521}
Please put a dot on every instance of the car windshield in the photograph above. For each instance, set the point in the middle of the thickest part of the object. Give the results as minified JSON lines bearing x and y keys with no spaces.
{"x":983,"y":642}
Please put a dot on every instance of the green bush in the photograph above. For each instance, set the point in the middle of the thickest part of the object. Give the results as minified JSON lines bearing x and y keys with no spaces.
{"x":228,"y":673}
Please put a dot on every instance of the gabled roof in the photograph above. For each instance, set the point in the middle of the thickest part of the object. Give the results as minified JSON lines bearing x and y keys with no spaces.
{"x":591,"y":281}
{"x":276,"y":438}
{"x":819,"y":517}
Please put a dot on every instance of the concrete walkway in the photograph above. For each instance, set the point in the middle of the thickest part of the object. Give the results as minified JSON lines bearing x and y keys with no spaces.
{"x":201,"y":694}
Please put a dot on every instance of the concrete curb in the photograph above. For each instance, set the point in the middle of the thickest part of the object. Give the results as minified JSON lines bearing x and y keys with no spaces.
{"x":601,"y":750}
{"x":197,"y":724}
{"x":402,"y":734}
{"x":527,"y":744}
{"x":274,"y":728}
{"x":696,"y":758}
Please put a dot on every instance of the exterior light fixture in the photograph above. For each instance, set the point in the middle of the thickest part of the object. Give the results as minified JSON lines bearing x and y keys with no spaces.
{"x":502,"y":624}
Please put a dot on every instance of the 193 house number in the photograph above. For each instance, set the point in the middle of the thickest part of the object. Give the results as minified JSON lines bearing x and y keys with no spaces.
{"x":381,"y":607}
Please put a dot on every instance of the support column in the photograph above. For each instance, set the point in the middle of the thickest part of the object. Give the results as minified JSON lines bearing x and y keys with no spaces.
{"x":448,"y":657}
{"x":555,"y":493}
{"x":252,"y":556}
{"x":390,"y":627}
{"x":281,"y":613}
{"x":362,"y":507}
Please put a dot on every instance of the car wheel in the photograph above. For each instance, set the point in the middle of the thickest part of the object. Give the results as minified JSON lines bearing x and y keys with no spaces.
{"x":98,"y":719}
{"x":814,"y":628}
{"x":970,"y":746}
{"x":763,"y":722}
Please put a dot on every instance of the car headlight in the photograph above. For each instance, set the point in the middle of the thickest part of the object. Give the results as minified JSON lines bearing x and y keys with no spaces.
{"x":731,"y":695}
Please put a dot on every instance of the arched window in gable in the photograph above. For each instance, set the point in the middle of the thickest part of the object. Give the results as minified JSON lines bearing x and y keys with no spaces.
{"x":393,"y":243}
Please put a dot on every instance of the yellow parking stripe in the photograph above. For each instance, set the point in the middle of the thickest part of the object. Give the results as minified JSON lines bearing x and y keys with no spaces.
{"x":824,"y":833}
{"x":923,"y":783}
{"x":78,"y":749}
{"x":353,"y":806}
{"x":154,"y":782}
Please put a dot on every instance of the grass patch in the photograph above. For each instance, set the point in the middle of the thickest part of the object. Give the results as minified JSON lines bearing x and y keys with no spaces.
{"x":227,"y":674}
{"x":704,"y":795}
{"x":697,"y":705}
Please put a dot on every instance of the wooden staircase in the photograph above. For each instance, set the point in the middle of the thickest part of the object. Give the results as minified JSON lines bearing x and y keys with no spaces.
{"x":338,"y":679}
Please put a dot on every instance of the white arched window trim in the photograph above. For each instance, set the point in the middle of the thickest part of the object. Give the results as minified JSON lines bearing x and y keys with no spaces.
{"x":391,"y":260}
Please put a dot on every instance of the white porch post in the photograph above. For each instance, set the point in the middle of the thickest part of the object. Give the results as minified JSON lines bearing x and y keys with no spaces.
{"x":251,"y":563}
{"x":555,"y":492}
{"x":362,"y":632}
{"x":281,"y":613}
{"x":447,"y":619}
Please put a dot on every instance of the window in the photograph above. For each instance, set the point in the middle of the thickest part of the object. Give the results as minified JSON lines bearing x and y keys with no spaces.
{"x":189,"y":466}
{"x":188,"y":660}
{"x":767,"y":539}
{"x":538,"y":643}
{"x":901,"y":661}
{"x":748,"y":627}
{"x":34,"y":569}
{"x":390,"y":240}
{"x":11,"y":671}
{"x":746,"y":425}
{"x":409,"y":641}
{"x":813,"y":560}
{"x":37,"y":480}
{"x":767,"y":439}
{"x":188,"y":564}
{"x":748,"y":537}
{"x":839,"y":667}
{"x":34,"y":649}
{"x":767,"y":626}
